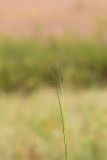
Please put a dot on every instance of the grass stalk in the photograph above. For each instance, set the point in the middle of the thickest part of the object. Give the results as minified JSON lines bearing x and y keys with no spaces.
{"x":61,"y":110}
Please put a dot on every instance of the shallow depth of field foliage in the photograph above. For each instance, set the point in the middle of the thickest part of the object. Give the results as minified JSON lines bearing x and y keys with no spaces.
{"x":31,"y":130}
{"x":30,"y":124}
{"x":27,"y":64}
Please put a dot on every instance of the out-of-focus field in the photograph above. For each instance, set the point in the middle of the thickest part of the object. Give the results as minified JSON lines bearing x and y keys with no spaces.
{"x":45,"y":43}
{"x":30,"y":126}
{"x":26,"y":65}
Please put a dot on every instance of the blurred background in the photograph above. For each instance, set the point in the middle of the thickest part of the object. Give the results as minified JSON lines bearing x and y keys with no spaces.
{"x":46,"y":44}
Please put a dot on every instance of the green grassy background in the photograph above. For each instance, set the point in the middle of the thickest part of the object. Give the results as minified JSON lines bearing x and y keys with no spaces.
{"x":30,"y":124}
{"x":27,"y":64}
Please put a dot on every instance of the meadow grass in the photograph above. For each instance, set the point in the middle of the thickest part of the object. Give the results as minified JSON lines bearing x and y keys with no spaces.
{"x":24,"y":64}
{"x":31,"y":129}
{"x":30,"y":124}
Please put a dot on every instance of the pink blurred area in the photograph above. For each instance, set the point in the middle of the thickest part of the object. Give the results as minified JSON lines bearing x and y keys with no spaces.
{"x":29,"y":17}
